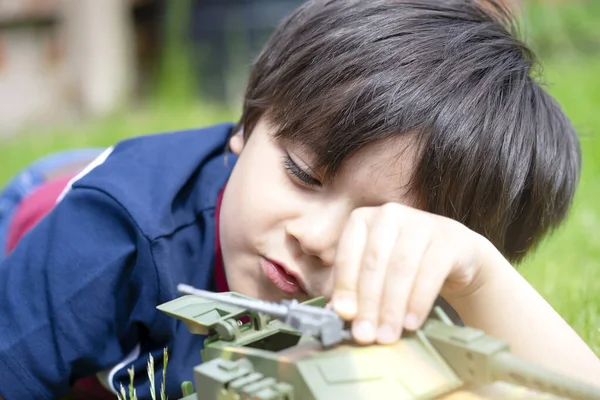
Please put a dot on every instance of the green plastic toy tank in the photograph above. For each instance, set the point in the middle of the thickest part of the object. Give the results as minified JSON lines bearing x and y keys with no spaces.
{"x":249,"y":355}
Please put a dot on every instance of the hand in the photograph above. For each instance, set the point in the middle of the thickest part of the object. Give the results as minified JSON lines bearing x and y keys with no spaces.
{"x":393,"y":261}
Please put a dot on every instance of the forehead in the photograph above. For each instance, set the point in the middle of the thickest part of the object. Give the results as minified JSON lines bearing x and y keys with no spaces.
{"x":381,"y":172}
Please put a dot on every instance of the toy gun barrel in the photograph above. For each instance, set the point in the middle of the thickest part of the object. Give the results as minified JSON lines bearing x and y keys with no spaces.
{"x":509,"y":368}
{"x":481,"y":359}
{"x":273,"y":309}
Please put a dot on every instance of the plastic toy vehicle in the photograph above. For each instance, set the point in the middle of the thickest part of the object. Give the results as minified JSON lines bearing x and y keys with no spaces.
{"x":289,"y":350}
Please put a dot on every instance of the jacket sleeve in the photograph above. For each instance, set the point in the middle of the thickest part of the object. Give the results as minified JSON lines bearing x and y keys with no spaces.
{"x":67,"y":295}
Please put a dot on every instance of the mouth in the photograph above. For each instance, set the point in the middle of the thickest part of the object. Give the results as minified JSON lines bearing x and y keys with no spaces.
{"x":287,"y":281}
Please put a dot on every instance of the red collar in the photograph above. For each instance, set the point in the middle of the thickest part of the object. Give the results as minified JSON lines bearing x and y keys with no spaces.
{"x":220,"y":278}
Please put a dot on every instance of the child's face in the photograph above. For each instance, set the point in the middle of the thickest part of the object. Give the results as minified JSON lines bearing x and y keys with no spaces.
{"x":276,"y":220}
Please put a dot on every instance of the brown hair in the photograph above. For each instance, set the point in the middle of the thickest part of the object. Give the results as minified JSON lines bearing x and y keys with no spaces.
{"x":498,"y":154}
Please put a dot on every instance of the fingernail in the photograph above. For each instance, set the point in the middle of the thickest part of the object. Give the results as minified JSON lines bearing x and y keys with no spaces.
{"x":411,"y":322}
{"x":363,"y":331}
{"x":345,"y":307}
{"x":386,"y":334}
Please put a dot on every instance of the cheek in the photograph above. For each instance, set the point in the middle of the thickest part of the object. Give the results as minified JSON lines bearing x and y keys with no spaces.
{"x":258,"y":198}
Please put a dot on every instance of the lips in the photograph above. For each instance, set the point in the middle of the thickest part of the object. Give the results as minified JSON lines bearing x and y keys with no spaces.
{"x":286,"y":282}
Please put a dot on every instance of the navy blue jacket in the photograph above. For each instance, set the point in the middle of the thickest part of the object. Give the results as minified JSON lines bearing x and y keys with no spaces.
{"x":79,"y":293}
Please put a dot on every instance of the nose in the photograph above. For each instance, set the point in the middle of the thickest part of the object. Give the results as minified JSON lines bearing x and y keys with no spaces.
{"x":317,"y":234}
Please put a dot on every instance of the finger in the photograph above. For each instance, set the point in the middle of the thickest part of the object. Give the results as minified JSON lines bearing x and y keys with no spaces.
{"x":402,"y":271}
{"x":436,"y":265}
{"x":383,"y":235}
{"x":347,"y":265}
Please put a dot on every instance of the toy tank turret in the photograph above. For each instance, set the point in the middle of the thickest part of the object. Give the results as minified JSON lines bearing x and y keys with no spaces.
{"x":258,"y":350}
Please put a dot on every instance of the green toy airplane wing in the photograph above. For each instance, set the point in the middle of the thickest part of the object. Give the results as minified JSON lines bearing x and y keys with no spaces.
{"x":202,"y":315}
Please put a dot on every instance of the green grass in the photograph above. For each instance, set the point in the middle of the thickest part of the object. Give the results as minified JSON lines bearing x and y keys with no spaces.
{"x":566,"y":267}
{"x":131,"y":394}
{"x":564,"y":27}
{"x":17,"y":151}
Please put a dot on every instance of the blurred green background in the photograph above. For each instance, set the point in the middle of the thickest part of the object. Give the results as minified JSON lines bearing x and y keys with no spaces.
{"x":566,"y":36}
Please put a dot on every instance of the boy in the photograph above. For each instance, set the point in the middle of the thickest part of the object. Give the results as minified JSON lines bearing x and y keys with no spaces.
{"x":388,"y":152}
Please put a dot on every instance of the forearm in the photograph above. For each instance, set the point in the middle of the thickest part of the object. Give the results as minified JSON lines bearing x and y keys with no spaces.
{"x":507,"y":307}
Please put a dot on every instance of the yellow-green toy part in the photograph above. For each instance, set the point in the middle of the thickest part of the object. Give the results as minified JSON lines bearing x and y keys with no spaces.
{"x":220,"y":322}
{"x":342,"y":372}
{"x":264,"y":359}
{"x":200,"y":315}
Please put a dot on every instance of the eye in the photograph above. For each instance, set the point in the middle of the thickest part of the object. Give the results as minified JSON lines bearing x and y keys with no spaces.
{"x":298,"y":173}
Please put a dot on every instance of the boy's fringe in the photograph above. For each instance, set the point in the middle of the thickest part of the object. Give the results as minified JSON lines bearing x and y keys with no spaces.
{"x":150,"y":369}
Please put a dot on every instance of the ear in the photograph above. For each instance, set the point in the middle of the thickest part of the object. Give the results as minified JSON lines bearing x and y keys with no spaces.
{"x":236,"y":142}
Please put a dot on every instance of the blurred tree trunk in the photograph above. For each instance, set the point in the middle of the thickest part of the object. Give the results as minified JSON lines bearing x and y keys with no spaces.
{"x":100,"y":53}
